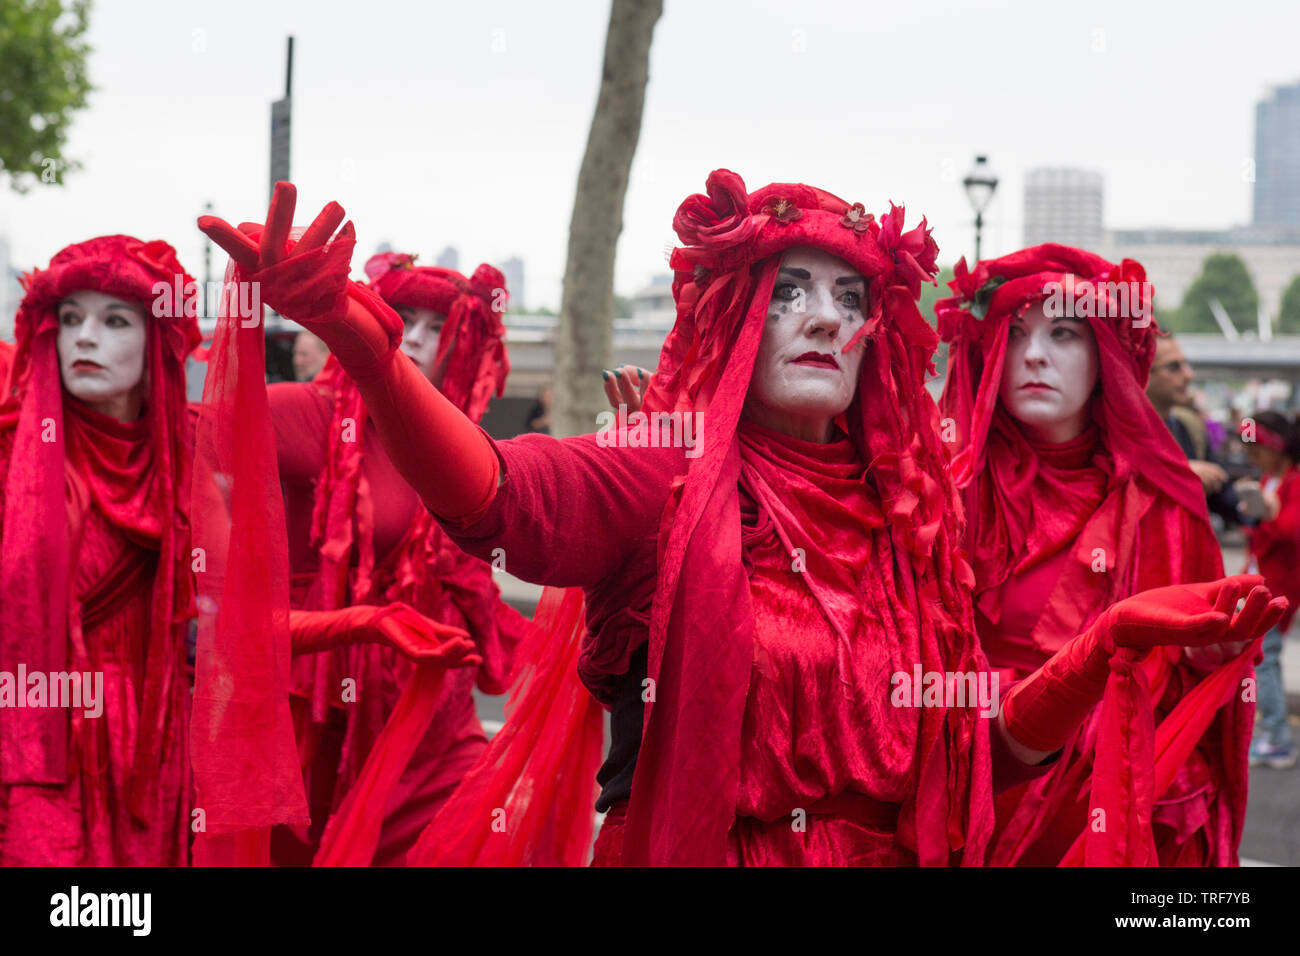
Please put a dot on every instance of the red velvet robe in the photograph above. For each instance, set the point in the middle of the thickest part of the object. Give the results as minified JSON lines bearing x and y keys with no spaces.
{"x":113,"y":536}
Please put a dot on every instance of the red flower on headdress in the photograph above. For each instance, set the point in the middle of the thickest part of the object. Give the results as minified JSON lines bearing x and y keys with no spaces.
{"x":857,"y":218}
{"x":783,"y":210}
{"x":719,"y":219}
{"x":383,"y":262}
{"x":915,"y":252}
{"x":156,"y":255}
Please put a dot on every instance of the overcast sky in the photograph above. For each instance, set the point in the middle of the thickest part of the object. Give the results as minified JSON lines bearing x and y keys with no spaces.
{"x":439,"y":123}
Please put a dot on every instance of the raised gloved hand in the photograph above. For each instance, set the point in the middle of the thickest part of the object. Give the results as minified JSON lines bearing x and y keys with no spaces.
{"x":307,"y":280}
{"x":1043,"y":711}
{"x":399,"y":625}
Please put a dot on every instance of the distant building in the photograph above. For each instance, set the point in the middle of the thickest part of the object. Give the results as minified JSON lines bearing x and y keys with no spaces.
{"x":1063,"y":205}
{"x":513,"y":270}
{"x":1173,"y":259}
{"x":653,"y":305}
{"x":449,"y":258}
{"x":1277,"y":160}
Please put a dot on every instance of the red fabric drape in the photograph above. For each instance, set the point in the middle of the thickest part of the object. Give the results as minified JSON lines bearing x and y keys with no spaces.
{"x":245,"y":763}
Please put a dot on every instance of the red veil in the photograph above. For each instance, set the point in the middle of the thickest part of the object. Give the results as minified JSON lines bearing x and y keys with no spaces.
{"x":1145,"y":515}
{"x":723,"y":283}
{"x":142,"y":489}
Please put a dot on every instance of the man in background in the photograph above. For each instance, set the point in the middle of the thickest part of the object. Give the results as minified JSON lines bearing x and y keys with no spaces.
{"x":1169,"y":391}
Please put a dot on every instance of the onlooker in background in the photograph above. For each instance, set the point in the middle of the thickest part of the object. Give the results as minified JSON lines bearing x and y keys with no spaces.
{"x":309,"y":355}
{"x":539,"y":417}
{"x":1275,"y":549}
{"x":1171,"y":375}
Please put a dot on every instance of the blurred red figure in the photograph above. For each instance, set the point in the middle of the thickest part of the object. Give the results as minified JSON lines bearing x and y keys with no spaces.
{"x":96,"y":445}
{"x":359,"y":536}
{"x":1077,"y":497}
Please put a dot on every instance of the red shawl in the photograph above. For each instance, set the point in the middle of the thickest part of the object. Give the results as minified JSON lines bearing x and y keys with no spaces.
{"x":1127,"y":498}
{"x":142,"y":487}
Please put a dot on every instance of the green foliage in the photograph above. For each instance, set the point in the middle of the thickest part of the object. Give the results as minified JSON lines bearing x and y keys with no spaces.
{"x":1223,"y":277}
{"x":43,"y":82}
{"x":930,"y":294}
{"x":1288,"y":322}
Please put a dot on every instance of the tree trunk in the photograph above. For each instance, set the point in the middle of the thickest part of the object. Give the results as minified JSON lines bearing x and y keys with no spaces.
{"x":584,"y":334}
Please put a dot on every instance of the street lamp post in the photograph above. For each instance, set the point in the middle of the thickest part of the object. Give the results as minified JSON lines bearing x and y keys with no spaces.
{"x":980,"y":183}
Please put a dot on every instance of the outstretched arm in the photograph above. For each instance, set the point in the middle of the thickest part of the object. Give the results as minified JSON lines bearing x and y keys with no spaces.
{"x":1043,"y":711}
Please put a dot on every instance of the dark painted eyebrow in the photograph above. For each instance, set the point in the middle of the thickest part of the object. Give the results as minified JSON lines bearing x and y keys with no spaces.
{"x":798,"y":273}
{"x":1066,"y":318}
{"x":850,"y":280}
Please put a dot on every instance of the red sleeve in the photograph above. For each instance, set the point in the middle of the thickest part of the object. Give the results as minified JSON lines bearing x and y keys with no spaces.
{"x":569,"y":512}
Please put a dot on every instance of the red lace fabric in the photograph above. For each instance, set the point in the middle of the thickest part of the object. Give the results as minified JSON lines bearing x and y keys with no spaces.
{"x":1042,"y":520}
{"x":94,"y":516}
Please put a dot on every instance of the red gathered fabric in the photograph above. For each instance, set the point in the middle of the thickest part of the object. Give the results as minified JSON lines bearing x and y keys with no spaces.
{"x":1060,"y":532}
{"x":1275,"y":545}
{"x":137,"y":477}
{"x":6,"y":360}
{"x":245,"y":763}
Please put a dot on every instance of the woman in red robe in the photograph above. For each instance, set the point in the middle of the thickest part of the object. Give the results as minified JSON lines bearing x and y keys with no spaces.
{"x":95,"y":452}
{"x":1077,"y":497}
{"x":764,"y":562}
{"x":358,"y":537}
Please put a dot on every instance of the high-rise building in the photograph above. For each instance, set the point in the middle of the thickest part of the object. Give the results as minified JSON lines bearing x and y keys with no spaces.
{"x":1277,"y":160}
{"x":513,"y":270}
{"x":449,"y":258}
{"x":1063,"y":205}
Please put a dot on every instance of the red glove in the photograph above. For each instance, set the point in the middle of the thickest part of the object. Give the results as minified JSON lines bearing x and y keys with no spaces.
{"x":1043,"y":711}
{"x":400,"y":625}
{"x":308,"y":282}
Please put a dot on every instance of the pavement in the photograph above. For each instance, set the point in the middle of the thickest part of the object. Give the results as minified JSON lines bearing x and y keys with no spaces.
{"x":1272,"y":831}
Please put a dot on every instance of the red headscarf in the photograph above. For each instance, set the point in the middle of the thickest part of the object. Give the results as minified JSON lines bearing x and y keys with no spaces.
{"x":1141,"y":475}
{"x":145,"y":495}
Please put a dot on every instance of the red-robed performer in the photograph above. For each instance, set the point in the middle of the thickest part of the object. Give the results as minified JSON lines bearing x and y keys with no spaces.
{"x":358,"y":538}
{"x":775,"y":571}
{"x":1077,"y":497}
{"x":96,"y":445}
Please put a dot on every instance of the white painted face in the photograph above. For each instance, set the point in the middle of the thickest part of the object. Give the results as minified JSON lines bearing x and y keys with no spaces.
{"x":1049,"y":374}
{"x":802,"y":376}
{"x":101,"y":344}
{"x":420,"y":335}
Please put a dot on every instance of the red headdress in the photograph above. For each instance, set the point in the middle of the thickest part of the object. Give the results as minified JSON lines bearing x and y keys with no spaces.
{"x":1144,"y":514}
{"x":146,"y":493}
{"x":723,"y":283}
